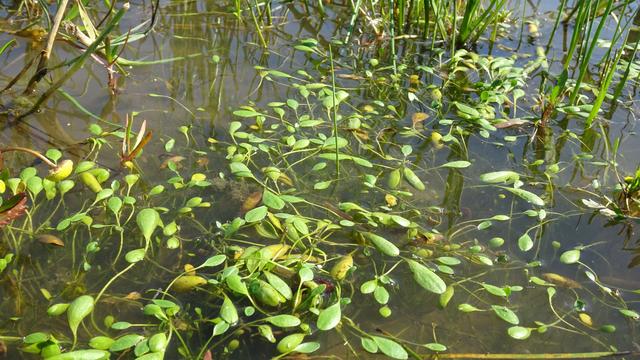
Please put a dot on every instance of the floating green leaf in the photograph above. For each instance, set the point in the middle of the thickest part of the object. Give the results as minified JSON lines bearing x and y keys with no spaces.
{"x":283,"y":320}
{"x":500,"y":177}
{"x":383,"y":245}
{"x":148,"y":219}
{"x":435,"y":347}
{"x":630,"y":313}
{"x":135,"y":256}
{"x":290,"y":342}
{"x":77,"y":311}
{"x":329,"y":317}
{"x":460,"y":164}
{"x":519,"y":332}
{"x":255,"y":215}
{"x":307,"y":348}
{"x":426,"y":278}
{"x":413,"y":179}
{"x":525,"y":243}
{"x":506,"y":314}
{"x":82,"y":355}
{"x":390,"y":348}
{"x":272,"y":200}
{"x":228,"y":311}
{"x":125,"y":342}
{"x":526,"y":195}
{"x":570,"y":257}
{"x":214,"y":261}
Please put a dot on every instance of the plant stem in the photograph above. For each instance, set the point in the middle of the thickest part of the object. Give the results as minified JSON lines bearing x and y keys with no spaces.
{"x":335,"y":114}
{"x":29,"y":151}
{"x":41,"y":71}
{"x":585,"y":355}
{"x":79,"y":62}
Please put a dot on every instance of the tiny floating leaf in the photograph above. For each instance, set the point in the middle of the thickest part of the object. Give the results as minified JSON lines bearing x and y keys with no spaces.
{"x":570,"y":257}
{"x":519,"y":332}
{"x":525,"y":243}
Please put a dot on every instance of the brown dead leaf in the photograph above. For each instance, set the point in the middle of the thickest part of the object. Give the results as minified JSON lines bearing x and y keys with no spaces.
{"x":134,"y":295}
{"x":510,"y":123}
{"x":361,"y":134}
{"x":50,"y":240}
{"x":13,"y":208}
{"x":349,"y":77}
{"x":251,"y":201}
{"x":560,"y":280}
{"x":285,"y":180}
{"x":202,"y":162}
{"x":174,"y":159}
{"x":207,"y":355}
{"x":418,"y":118}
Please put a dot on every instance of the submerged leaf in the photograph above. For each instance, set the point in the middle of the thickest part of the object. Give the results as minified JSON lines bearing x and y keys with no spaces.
{"x":560,"y":280}
{"x":390,"y":348}
{"x":50,"y":240}
{"x":251,"y":201}
{"x":188,"y":282}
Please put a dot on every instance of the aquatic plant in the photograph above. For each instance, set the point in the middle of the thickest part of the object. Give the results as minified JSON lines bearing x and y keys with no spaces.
{"x":355,"y":188}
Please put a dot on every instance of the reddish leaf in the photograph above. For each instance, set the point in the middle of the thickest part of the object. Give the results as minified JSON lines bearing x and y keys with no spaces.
{"x":13,"y":208}
{"x":251,"y":201}
{"x":510,"y":123}
{"x":207,"y":355}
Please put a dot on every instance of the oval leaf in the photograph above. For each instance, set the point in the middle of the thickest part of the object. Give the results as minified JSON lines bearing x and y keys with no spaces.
{"x":383,"y":245}
{"x":426,"y":278}
{"x":570,"y":257}
{"x":390,"y":348}
{"x":147,"y":220}
{"x":77,"y":311}
{"x":506,"y":314}
{"x":329,"y":317}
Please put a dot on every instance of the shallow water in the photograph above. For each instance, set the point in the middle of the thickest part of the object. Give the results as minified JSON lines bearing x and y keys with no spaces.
{"x":202,"y":95}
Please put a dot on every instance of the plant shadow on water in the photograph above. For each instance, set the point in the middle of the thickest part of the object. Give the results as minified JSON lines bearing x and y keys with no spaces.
{"x":316,"y":179}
